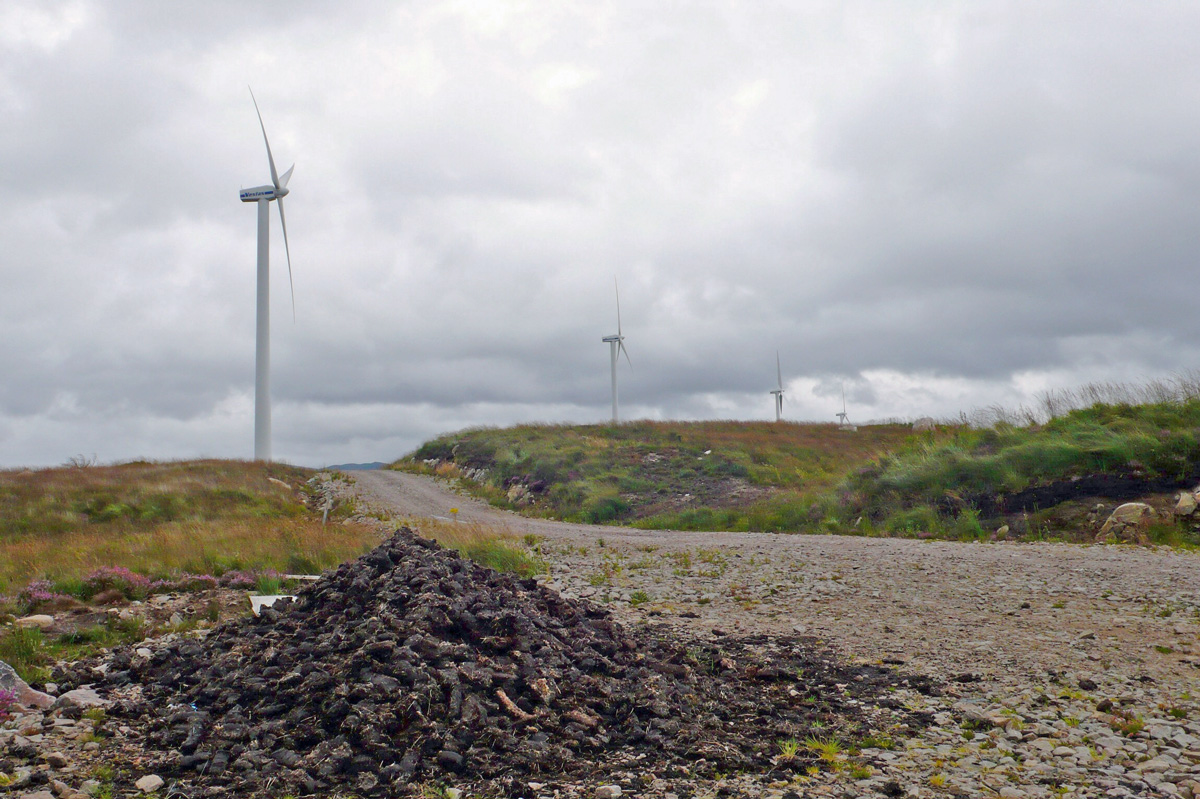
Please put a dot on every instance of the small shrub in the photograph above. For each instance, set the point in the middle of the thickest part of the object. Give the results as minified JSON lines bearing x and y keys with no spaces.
{"x":638,"y":598}
{"x":876,"y":742}
{"x":914,"y":521}
{"x":8,"y":698}
{"x":827,"y":749}
{"x":38,"y":594}
{"x":25,"y":650}
{"x":604,"y":509}
{"x":1128,"y":726}
{"x":118,"y":578}
{"x":967,"y":527}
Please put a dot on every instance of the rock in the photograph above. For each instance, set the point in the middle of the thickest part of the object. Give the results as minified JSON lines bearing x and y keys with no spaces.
{"x":26,"y":696}
{"x":40,"y":620}
{"x":149,"y":783}
{"x":924,"y":424}
{"x":1185,"y":505}
{"x":1127,"y":524}
{"x":608,"y":792}
{"x":82,"y":697}
{"x":57,"y":759}
{"x":449,"y":760}
{"x":38,"y":795}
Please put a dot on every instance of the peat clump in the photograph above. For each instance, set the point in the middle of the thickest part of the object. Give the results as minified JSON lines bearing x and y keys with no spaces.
{"x":413,"y":664}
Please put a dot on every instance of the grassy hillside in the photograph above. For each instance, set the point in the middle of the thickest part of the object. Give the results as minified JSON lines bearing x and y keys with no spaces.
{"x":956,"y":481}
{"x":76,"y":540}
{"x":157,"y":519}
{"x":1032,"y":476}
{"x":682,"y":475}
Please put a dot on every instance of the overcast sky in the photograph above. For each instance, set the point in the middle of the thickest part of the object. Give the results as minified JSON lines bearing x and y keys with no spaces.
{"x":939,"y":205}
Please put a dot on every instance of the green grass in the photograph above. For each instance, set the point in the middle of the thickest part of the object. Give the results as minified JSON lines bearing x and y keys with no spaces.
{"x":881,"y":480}
{"x":31,"y":653}
{"x":677,"y":475}
{"x":494,"y":547}
{"x":933,"y":485}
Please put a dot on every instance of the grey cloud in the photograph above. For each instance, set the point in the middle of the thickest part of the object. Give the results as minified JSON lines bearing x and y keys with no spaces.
{"x":933,"y":205}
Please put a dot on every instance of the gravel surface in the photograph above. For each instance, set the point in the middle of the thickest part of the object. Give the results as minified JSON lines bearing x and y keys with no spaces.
{"x":1075,"y":670}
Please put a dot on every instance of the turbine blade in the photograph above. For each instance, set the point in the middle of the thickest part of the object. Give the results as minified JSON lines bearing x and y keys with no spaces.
{"x":270,"y":158}
{"x":778,"y":370}
{"x":283,"y":223}
{"x":622,"y":345}
{"x":283,"y":180}
{"x":618,"y":293}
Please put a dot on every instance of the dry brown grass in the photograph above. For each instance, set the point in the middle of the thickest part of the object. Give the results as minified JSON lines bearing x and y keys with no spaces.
{"x":157,"y":518}
{"x":203,"y":547}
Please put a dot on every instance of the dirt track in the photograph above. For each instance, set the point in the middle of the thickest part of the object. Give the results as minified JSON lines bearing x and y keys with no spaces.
{"x":1009,"y":621}
{"x":944,"y":606}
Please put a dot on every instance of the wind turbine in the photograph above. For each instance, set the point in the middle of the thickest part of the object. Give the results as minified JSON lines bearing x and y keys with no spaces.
{"x":779,"y":391}
{"x":263,"y":195}
{"x":616,"y":343}
{"x":844,"y":423}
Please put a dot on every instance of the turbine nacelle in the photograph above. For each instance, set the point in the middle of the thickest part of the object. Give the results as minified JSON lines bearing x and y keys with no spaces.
{"x":260,"y":193}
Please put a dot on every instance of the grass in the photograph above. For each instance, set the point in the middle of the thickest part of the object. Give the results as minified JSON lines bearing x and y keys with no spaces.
{"x":159,"y":519}
{"x":31,"y":653}
{"x":945,"y":483}
{"x":937,"y":483}
{"x":657,"y":474}
{"x":494,"y":547}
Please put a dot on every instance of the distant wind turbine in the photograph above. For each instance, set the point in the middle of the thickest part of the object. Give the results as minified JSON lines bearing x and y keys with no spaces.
{"x":779,"y":391}
{"x":616,"y":343}
{"x":844,"y":423}
{"x":263,"y":195}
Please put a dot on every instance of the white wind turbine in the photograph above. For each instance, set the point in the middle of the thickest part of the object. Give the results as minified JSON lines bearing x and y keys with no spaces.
{"x":779,"y":391}
{"x":616,"y":343}
{"x":263,"y":195}
{"x":844,"y":421}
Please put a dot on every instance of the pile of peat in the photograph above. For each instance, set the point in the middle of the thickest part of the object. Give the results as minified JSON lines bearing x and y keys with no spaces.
{"x":412,"y":664}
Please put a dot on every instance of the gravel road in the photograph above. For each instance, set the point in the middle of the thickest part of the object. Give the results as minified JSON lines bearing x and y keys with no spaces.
{"x":1072,"y":669}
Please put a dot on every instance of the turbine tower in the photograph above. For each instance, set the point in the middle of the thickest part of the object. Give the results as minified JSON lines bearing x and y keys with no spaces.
{"x":616,"y":343}
{"x":263,"y":195}
{"x":779,"y":391}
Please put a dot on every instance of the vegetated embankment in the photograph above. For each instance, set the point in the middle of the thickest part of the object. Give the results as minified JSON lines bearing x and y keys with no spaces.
{"x":1052,"y":480}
